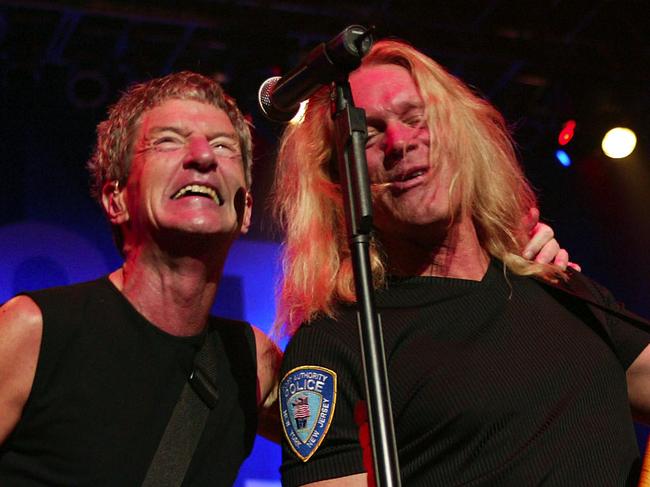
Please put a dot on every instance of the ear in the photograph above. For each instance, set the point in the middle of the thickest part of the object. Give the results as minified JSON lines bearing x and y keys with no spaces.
{"x":114,"y":202}
{"x":248,"y":211}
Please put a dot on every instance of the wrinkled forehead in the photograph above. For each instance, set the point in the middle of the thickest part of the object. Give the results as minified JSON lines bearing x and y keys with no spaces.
{"x":185,"y":116}
{"x":384,"y":87}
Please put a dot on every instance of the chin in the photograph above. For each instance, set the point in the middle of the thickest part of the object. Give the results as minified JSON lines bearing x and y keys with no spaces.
{"x":209,"y":230}
{"x":414,"y":216}
{"x":195,"y":241}
{"x":200,"y":228}
{"x":204,"y":222}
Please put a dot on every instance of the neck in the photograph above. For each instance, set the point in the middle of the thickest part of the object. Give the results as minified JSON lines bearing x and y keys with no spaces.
{"x":174,"y":292}
{"x":454,"y":252}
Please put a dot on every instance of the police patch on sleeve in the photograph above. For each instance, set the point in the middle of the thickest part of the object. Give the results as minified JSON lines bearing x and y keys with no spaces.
{"x":307,"y":400}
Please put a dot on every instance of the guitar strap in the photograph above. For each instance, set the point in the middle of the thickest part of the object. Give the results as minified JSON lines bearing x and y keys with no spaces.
{"x":181,"y":437}
{"x":584,"y":289}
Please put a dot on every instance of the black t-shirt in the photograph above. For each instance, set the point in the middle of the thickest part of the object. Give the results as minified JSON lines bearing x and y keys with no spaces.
{"x":498,"y":382}
{"x":106,"y":383}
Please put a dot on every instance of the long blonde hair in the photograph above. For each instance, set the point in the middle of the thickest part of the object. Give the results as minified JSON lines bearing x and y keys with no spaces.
{"x":488,"y":184}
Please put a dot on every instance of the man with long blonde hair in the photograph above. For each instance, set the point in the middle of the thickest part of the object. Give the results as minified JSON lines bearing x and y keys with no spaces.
{"x":497,"y":376}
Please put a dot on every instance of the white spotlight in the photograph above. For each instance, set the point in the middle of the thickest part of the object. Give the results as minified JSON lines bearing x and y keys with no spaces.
{"x":619,"y":142}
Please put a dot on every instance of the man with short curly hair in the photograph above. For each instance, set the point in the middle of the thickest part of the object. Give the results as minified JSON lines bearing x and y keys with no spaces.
{"x":91,"y":373}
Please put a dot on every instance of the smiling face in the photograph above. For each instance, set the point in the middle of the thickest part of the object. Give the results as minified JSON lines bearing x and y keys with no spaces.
{"x":186,"y":174}
{"x":398,"y":150}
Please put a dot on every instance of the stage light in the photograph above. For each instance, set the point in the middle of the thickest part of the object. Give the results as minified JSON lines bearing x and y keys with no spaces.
{"x":563,"y":158}
{"x":567,"y":132}
{"x":619,"y":142}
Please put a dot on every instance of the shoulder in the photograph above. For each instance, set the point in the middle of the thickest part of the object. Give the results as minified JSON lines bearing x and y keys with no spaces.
{"x":21,"y":328}
{"x":65,"y":311}
{"x":341,"y":329}
{"x":324,"y":337}
{"x":599,"y":299}
{"x":581,"y":286}
{"x":628,"y":334}
{"x":325,"y":343}
{"x":251,"y":349}
{"x":23,"y":318}
{"x":64,"y":306}
{"x":267,"y":351}
{"x":268,"y":357}
{"x":71,"y":293}
{"x":238,"y":339}
{"x":20,"y":319}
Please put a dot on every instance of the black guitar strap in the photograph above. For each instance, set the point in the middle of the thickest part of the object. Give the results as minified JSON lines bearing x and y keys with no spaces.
{"x":583,"y":289}
{"x":186,"y":424}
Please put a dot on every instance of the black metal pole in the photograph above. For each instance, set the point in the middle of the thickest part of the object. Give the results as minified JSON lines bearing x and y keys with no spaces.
{"x":351,"y":131}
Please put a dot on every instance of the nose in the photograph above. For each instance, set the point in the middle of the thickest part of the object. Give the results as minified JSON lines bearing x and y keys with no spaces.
{"x":400,"y":138}
{"x":200,"y":155}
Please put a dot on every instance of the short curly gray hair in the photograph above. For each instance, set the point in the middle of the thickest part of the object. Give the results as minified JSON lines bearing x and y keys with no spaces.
{"x":111,"y":160}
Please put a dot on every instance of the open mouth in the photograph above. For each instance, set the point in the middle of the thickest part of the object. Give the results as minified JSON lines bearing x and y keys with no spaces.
{"x":408,"y":179}
{"x":411,"y":175}
{"x":198,"y":190}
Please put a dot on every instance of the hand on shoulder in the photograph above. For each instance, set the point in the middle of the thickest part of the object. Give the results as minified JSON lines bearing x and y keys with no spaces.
{"x":542,"y":246}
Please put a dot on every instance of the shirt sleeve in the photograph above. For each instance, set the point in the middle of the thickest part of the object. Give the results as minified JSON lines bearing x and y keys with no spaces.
{"x":326,"y":447}
{"x":630,"y":333}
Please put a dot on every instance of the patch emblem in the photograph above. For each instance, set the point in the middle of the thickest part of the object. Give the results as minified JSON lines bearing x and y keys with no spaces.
{"x":307,"y":400}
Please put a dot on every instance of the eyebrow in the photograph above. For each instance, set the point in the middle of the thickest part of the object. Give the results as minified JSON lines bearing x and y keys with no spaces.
{"x":186,"y":132}
{"x":402,"y":107}
{"x":168,"y":128}
{"x":407,"y":106}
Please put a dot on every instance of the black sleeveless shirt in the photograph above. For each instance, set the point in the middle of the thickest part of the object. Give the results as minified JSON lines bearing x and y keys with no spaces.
{"x":106,"y":383}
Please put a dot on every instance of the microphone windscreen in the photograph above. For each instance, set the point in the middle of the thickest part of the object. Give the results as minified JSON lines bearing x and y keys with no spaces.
{"x":265,"y":102}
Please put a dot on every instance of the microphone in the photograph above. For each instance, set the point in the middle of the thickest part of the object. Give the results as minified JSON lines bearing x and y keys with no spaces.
{"x":280,"y":97}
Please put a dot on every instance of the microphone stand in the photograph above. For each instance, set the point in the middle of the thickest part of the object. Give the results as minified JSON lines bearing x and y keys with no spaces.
{"x":351,"y":131}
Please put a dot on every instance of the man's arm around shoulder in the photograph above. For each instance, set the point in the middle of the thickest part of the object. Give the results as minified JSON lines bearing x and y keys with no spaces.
{"x":638,"y":386}
{"x":357,"y":480}
{"x":21,"y":330}
{"x":269,"y":358}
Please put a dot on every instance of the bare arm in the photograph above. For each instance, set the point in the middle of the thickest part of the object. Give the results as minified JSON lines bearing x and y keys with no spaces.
{"x":269,"y":357}
{"x":357,"y":480}
{"x":638,"y":386}
{"x":21,"y":329}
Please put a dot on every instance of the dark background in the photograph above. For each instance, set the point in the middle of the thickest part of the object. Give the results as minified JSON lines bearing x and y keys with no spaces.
{"x":63,"y":63}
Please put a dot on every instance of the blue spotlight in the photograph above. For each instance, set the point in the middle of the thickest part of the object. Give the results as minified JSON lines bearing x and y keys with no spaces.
{"x":563,"y":158}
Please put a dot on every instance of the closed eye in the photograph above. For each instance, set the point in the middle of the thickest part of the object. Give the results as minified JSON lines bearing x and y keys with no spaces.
{"x":225,"y":148}
{"x":167,"y":140}
{"x":414,"y":122}
{"x":373,"y":136}
{"x":376,"y":130}
{"x":415,"y":119}
{"x":167,"y":143}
